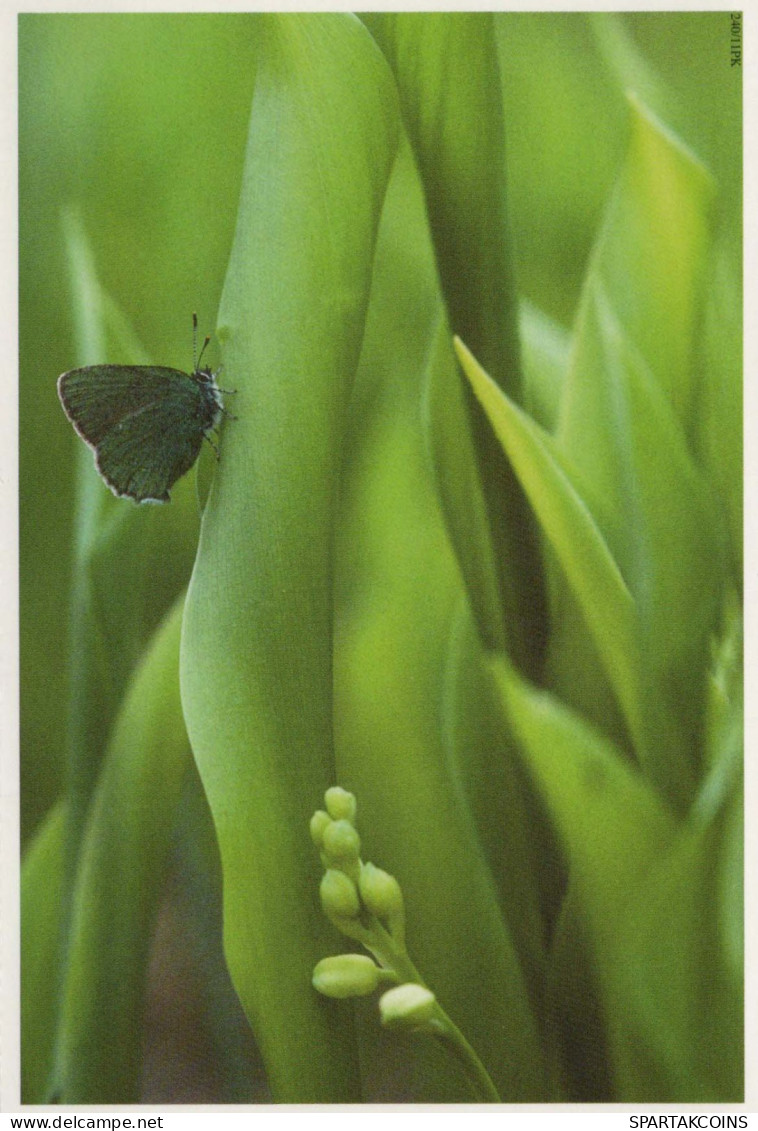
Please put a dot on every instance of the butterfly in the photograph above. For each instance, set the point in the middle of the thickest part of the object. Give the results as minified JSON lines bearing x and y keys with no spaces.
{"x":145,"y":423}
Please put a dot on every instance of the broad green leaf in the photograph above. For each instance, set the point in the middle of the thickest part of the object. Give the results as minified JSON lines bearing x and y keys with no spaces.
{"x":414,"y":815}
{"x":446,"y":69}
{"x":675,"y":975}
{"x":626,"y":426}
{"x":671,"y":1000}
{"x":658,"y":516}
{"x":196,"y":908}
{"x":572,"y":531}
{"x":139,"y":153}
{"x":41,"y":927}
{"x":576,"y":1029}
{"x":622,"y":432}
{"x":454,"y":457}
{"x":129,"y":562}
{"x":650,"y":260}
{"x":573,"y":668}
{"x":512,"y":828}
{"x":119,"y":883}
{"x":397,"y":582}
{"x":257,"y":642}
{"x":596,"y":797}
{"x":691,"y":99}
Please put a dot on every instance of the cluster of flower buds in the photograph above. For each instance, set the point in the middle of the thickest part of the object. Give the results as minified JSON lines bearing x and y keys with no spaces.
{"x":365,"y":903}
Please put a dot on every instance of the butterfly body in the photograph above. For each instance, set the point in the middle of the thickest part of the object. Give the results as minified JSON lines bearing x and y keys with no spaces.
{"x":144,"y":423}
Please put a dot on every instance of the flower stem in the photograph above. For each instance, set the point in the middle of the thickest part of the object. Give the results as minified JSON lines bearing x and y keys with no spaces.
{"x":442,"y":1027}
{"x":477,"y":1075}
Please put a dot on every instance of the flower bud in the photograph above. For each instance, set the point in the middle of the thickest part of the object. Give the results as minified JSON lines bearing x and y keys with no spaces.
{"x":380,"y":892}
{"x":339,"y":895}
{"x":319,"y":822}
{"x":340,"y":805}
{"x":409,"y":1006}
{"x":346,"y":975}
{"x":341,"y":842}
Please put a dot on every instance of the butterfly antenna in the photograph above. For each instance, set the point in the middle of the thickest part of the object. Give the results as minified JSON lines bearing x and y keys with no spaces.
{"x":194,"y":341}
{"x":202,"y":351}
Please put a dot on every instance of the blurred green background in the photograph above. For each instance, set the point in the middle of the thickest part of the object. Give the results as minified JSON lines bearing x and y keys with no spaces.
{"x":139,"y":122}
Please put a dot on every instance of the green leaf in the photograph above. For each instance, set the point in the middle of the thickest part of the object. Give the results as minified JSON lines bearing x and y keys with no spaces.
{"x":628,"y":65}
{"x":397,"y":582}
{"x":596,"y":797}
{"x":647,"y":887}
{"x":571,"y":530}
{"x":446,"y":69}
{"x":129,"y":562}
{"x":148,"y":150}
{"x":511,"y":824}
{"x":668,"y":538}
{"x":621,"y":438}
{"x":576,"y":1028}
{"x":119,"y":883}
{"x":545,"y":345}
{"x":41,"y":925}
{"x":257,"y":643}
{"x":650,"y":260}
{"x":677,"y":978}
{"x":626,"y":426}
{"x":455,"y":463}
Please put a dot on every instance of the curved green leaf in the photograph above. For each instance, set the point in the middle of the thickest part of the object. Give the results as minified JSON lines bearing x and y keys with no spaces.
{"x":627,"y":426}
{"x":648,"y":887}
{"x":650,"y":260}
{"x":511,"y":823}
{"x":41,"y":927}
{"x":397,"y":581}
{"x":455,"y":463}
{"x":446,"y":68}
{"x":577,"y":1034}
{"x":257,"y":643}
{"x":572,"y":531}
{"x":595,"y":796}
{"x":129,"y":562}
{"x":660,"y":520}
{"x":676,"y":994}
{"x":119,"y":882}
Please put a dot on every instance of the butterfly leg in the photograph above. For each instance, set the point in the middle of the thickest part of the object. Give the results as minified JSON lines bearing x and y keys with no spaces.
{"x":207,"y":437}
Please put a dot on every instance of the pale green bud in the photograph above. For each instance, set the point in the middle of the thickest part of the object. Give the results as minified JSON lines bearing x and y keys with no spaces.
{"x":409,"y":1006}
{"x":339,"y":895}
{"x":340,"y":805}
{"x":346,"y":975}
{"x":319,"y":822}
{"x":380,"y":892}
{"x":341,"y":842}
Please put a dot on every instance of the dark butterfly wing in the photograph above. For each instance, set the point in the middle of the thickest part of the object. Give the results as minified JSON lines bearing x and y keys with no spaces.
{"x":143,"y":455}
{"x":98,"y":397}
